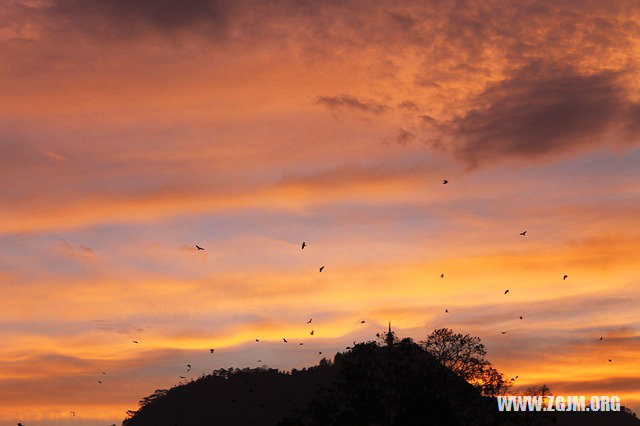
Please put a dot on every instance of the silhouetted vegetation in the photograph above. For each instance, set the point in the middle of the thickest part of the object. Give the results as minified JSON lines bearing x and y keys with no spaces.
{"x":395,"y":384}
{"x":444,"y":380}
{"x":465,"y":356}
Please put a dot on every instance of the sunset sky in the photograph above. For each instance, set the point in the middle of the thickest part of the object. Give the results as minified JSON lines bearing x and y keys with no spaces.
{"x":132,"y":130}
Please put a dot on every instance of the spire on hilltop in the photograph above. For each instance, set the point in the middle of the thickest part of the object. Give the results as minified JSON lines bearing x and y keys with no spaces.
{"x":390,"y":337}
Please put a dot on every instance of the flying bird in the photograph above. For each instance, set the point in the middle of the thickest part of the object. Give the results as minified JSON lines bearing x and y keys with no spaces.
{"x":319,"y":353}
{"x":211,"y":350}
{"x":446,"y":311}
{"x":259,"y":360}
{"x":523,"y":233}
{"x":257,"y":340}
{"x":609,"y":360}
{"x":199,"y":248}
{"x":362,"y":322}
{"x":285,"y":340}
{"x":134,"y":341}
{"x":321,"y":268}
{"x":303,"y":245}
{"x":441,"y":275}
{"x":99,"y":381}
{"x":565,"y":277}
{"x":301,"y":344}
{"x":310,"y":319}
{"x":521,"y":318}
{"x":444,"y":182}
{"x":506,"y":291}
{"x":73,"y":412}
{"x":503,"y":332}
{"x":188,"y":367}
{"x":104,"y":372}
{"x":600,"y":337}
{"x":182,"y":377}
{"x":311,"y":332}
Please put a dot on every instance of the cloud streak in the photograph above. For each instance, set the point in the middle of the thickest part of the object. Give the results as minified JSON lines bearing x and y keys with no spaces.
{"x":352,"y":103}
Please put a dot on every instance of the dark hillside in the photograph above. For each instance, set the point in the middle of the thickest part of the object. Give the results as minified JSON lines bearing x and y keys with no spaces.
{"x":372,"y":384}
{"x":384,"y":383}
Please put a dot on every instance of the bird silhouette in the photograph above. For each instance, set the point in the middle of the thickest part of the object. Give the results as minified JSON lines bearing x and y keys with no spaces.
{"x":310,"y":319}
{"x":523,"y":233}
{"x":211,"y":350}
{"x":311,"y":332}
{"x":188,"y":367}
{"x":73,"y":412}
{"x":303,"y":245}
{"x":446,"y":311}
{"x":259,"y":360}
{"x":600,"y":337}
{"x":20,"y":424}
{"x":104,"y":372}
{"x":285,"y":340}
{"x":199,"y":248}
{"x":134,"y":341}
{"x":565,"y":277}
{"x":444,"y":182}
{"x":609,"y":360}
{"x":182,"y":377}
{"x":321,"y":268}
{"x":441,"y":275}
{"x":319,"y":353}
{"x":362,"y":322}
{"x":506,"y":291}
{"x":503,"y":332}
{"x":301,"y":344}
{"x":521,"y":318}
{"x":99,"y":381}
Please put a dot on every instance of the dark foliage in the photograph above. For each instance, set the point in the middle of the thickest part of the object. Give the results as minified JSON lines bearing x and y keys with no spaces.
{"x":376,"y":383}
{"x":395,"y":384}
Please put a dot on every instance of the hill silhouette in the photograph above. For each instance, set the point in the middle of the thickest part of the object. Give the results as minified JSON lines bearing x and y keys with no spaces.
{"x":388,"y":382}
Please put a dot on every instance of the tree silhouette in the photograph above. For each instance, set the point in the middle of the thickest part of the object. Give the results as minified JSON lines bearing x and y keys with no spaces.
{"x":465,"y":356}
{"x":394,"y":382}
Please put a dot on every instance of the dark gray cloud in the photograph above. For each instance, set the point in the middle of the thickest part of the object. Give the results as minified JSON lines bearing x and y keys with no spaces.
{"x":353,"y":103}
{"x":125,"y":17}
{"x":543,"y":110}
